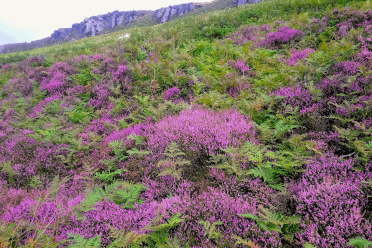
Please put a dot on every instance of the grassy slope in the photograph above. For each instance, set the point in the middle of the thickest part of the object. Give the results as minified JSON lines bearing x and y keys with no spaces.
{"x":197,"y":44}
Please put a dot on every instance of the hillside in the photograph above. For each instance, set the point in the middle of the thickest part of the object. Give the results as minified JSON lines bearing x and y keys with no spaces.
{"x":238,"y":127}
{"x":118,"y":20}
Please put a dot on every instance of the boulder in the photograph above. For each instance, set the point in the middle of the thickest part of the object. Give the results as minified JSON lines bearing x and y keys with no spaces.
{"x":127,"y":35}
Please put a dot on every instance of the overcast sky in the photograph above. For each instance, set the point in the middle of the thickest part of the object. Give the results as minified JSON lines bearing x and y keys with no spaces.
{"x":28,"y":20}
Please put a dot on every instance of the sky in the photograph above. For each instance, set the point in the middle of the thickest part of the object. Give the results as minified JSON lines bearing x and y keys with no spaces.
{"x":25,"y":20}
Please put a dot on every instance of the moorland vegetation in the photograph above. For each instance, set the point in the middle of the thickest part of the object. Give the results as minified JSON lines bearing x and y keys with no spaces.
{"x":244,"y":127}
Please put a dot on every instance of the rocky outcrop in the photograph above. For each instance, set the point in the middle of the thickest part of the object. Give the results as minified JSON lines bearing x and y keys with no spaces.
{"x":165,"y":14}
{"x":241,"y":2}
{"x":96,"y":25}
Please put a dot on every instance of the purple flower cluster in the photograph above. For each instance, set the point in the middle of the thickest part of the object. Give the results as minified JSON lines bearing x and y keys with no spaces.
{"x":170,"y":93}
{"x":6,"y":66}
{"x":240,"y":64}
{"x":298,"y":55}
{"x":282,"y":36}
{"x":200,"y":130}
{"x":90,"y":57}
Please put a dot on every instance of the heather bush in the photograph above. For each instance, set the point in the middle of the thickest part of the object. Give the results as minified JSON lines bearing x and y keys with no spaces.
{"x":6,"y":66}
{"x":215,"y":206}
{"x":282,"y":36}
{"x":332,"y":213}
{"x":21,"y":85}
{"x":189,"y":130}
{"x":247,"y":34}
{"x":26,"y":158}
{"x":298,"y":55}
{"x":170,"y":93}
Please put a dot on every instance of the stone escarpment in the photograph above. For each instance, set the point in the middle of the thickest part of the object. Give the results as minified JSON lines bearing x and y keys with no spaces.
{"x":242,"y":2}
{"x":101,"y":24}
{"x":94,"y":25}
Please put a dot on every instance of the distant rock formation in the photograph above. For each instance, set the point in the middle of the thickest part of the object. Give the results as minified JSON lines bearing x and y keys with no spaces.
{"x":242,"y":2}
{"x":95,"y":25}
{"x":164,"y":14}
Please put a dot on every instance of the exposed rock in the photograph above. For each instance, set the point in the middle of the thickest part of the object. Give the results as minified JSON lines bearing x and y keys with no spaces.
{"x":241,"y":2}
{"x":127,"y":35}
{"x":165,"y":14}
{"x":95,"y":25}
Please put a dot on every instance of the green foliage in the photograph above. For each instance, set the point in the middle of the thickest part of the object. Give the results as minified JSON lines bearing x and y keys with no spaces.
{"x":197,"y":88}
{"x":269,"y":221}
{"x":230,"y":163}
{"x":243,"y":242}
{"x":159,"y":236}
{"x":7,"y":168}
{"x":215,"y":100}
{"x":123,"y":197}
{"x":174,"y":163}
{"x":210,"y":229}
{"x":79,"y":241}
{"x":364,"y":147}
{"x":109,"y":176}
{"x":82,"y":78}
{"x":13,"y":58}
{"x":53,"y":108}
{"x":360,"y":242}
{"x":126,"y":240}
{"x":141,"y":54}
{"x":122,"y":153}
{"x":81,"y":114}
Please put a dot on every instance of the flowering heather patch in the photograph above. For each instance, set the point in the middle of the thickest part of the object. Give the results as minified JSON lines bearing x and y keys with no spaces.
{"x":170,"y":93}
{"x":298,"y":55}
{"x":347,"y":68}
{"x":89,"y":57}
{"x":202,"y":130}
{"x":282,"y":36}
{"x":297,"y":96}
{"x":240,"y":64}
{"x":56,"y":85}
{"x":44,"y":102}
{"x":6,"y":66}
{"x":22,"y":85}
{"x":247,"y":34}
{"x":213,"y":206}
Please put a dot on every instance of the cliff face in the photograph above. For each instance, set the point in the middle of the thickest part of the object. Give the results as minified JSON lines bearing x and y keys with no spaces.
{"x":241,"y":2}
{"x":95,"y":25}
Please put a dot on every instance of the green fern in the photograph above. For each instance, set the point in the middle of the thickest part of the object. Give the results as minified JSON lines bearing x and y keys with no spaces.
{"x":360,"y":242}
{"x":173,"y":165}
{"x":55,"y":186}
{"x":79,"y":241}
{"x":210,"y":229}
{"x":126,"y":240}
{"x":307,"y":245}
{"x":159,"y":236}
{"x":276,"y":221}
{"x":124,"y":198}
{"x":7,"y":168}
{"x":109,"y":176}
{"x":249,"y":243}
